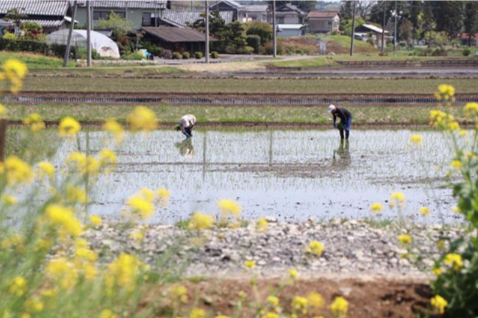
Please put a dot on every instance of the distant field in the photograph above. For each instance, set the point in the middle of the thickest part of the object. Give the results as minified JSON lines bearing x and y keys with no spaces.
{"x":397,"y":86}
{"x":261,"y":114}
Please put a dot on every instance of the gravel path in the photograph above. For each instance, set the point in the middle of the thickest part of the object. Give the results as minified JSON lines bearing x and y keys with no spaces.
{"x":351,"y":248}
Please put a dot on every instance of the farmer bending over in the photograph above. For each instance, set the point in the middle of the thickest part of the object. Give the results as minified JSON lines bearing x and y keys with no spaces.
{"x":186,"y":124}
{"x":345,"y":120}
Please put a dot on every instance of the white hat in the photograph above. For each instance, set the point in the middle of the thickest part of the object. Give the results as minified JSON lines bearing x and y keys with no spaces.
{"x":331,"y":108}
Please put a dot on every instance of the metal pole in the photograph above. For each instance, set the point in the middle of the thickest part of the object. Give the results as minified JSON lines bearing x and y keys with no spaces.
{"x":207,"y":32}
{"x":383,"y":24}
{"x":88,"y":33}
{"x":353,"y":33}
{"x":68,"y":43}
{"x":395,"y":33}
{"x":274,"y":27}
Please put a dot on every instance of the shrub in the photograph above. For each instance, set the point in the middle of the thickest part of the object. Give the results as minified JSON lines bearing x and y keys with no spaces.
{"x":176,"y":56}
{"x":267,"y":49}
{"x":198,"y":55}
{"x":166,"y":54}
{"x":261,"y":29}
{"x":9,"y":36}
{"x":466,"y":52}
{"x":254,"y":41}
{"x":214,"y":55}
{"x":133,"y":57}
{"x":186,"y":55}
{"x":94,"y":54}
{"x":439,"y":52}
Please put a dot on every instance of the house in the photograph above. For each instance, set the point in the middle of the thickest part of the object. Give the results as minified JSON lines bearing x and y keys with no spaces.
{"x":176,"y":39}
{"x":50,"y":15}
{"x":365,"y":30}
{"x":290,"y":30}
{"x":181,"y":19}
{"x":288,"y":14}
{"x":323,"y":21}
{"x":140,"y":13}
{"x":242,"y":13}
{"x":464,"y":38}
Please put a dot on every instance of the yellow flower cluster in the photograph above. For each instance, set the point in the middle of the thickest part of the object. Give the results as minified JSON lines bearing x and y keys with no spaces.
{"x":108,"y":160}
{"x":46,"y":169}
{"x":62,"y":272}
{"x":142,"y":119}
{"x":76,"y":195}
{"x":69,"y":127}
{"x":339,"y":307}
{"x":35,"y":122}
{"x":113,"y":127}
{"x":201,"y":221}
{"x":141,"y":206}
{"x":18,"y":286}
{"x":443,"y":120}
{"x":250,"y":264}
{"x":376,"y":207}
{"x":454,"y":260}
{"x":124,"y":272}
{"x":397,"y":198}
{"x":315,"y":248}
{"x":197,"y":313}
{"x":439,"y":303}
{"x":299,"y":305}
{"x":179,"y":294}
{"x":262,"y":225}
{"x":471,"y":110}
{"x":416,"y":139}
{"x":425,"y":211}
{"x":3,"y":112}
{"x":95,"y":220}
{"x":16,"y":170}
{"x":83,"y":164}
{"x":64,"y":220}
{"x":445,"y":93}
{"x":14,"y":71}
{"x":405,"y":240}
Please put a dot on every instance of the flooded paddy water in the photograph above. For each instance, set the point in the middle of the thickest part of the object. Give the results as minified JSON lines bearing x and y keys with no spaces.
{"x":288,"y":174}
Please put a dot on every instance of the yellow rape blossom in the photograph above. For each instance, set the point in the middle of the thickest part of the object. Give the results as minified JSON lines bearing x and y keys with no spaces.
{"x":315,"y":248}
{"x":425,"y":211}
{"x":229,"y":207}
{"x":76,"y":194}
{"x":293,"y":274}
{"x":86,"y":254}
{"x":315,"y":300}
{"x":34,"y":305}
{"x":416,"y":139}
{"x":15,"y":71}
{"x":18,"y":286}
{"x":397,"y":197}
{"x":270,"y":315}
{"x":3,"y":111}
{"x":163,"y":196}
{"x":17,"y":171}
{"x":137,"y":236}
{"x":124,"y":271}
{"x":273,"y":301}
{"x":471,"y":110}
{"x":64,"y":219}
{"x":453,"y":260}
{"x":455,"y":209}
{"x":250,"y":264}
{"x":339,"y":307}
{"x":201,"y":221}
{"x":9,"y":200}
{"x":83,"y":164}
{"x":300,"y":304}
{"x":69,"y":127}
{"x":439,"y":303}
{"x":95,"y":220}
{"x":405,"y":239}
{"x":107,"y":313}
{"x":108,"y":160}
{"x":179,"y":293}
{"x":142,"y":119}
{"x":445,"y":92}
{"x":262,"y":225}
{"x":456,"y":164}
{"x":113,"y":127}
{"x":46,"y":169}
{"x":376,"y":207}
{"x":197,"y":313}
{"x":141,"y":206}
{"x":63,"y":272}
{"x":35,"y":122}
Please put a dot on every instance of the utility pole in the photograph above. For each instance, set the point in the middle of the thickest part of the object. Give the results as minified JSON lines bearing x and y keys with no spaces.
{"x":395,"y":32}
{"x":383,"y":24}
{"x":88,"y":33}
{"x":353,"y":33}
{"x":207,"y":32}
{"x":68,"y":43}
{"x":274,"y":30}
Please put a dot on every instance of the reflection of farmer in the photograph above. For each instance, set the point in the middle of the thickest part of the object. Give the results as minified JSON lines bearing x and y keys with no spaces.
{"x":186,"y":148}
{"x":344,"y":153}
{"x":345,"y":120}
{"x":186,"y":124}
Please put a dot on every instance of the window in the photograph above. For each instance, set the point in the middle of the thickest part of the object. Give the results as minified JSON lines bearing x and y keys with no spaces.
{"x":329,"y":23}
{"x":146,"y":18}
{"x":280,"y":20}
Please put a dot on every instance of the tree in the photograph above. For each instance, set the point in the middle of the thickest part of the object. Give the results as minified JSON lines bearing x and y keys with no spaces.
{"x":405,"y":31}
{"x":262,"y":29}
{"x":16,"y":16}
{"x":119,"y":25}
{"x":449,"y":17}
{"x":32,"y":30}
{"x":427,"y":23}
{"x":471,"y":19}
{"x":305,"y":6}
{"x":216,"y":23}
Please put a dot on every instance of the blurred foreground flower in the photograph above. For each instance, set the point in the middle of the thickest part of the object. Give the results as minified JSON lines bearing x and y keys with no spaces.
{"x":14,"y":71}
{"x":142,"y":119}
{"x":113,"y":127}
{"x":376,"y":207}
{"x":397,"y":197}
{"x":250,"y":264}
{"x":200,"y":221}
{"x":404,"y":240}
{"x":439,"y":303}
{"x":416,"y":139}
{"x":315,"y":248}
{"x":69,"y":127}
{"x":17,"y":171}
{"x":425,"y":211}
{"x":454,"y":260}
{"x":35,"y":122}
{"x":339,"y":307}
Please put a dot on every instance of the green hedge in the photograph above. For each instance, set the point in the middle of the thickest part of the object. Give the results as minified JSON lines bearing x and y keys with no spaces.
{"x":57,"y":50}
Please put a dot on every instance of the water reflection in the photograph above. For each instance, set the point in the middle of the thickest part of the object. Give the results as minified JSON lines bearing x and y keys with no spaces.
{"x":186,"y":148}
{"x":287,"y":174}
{"x":343,"y":154}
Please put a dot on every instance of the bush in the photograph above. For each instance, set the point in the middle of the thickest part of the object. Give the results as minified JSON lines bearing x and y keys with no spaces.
{"x":57,"y":50}
{"x":94,"y":54}
{"x":176,"y":56}
{"x":198,"y":55}
{"x":439,"y":52}
{"x":186,"y":55}
{"x":267,"y":49}
{"x":166,"y":54}
{"x":254,"y":41}
{"x":466,"y":52}
{"x":8,"y":36}
{"x":214,"y":55}
{"x":133,"y":57}
{"x":261,"y":29}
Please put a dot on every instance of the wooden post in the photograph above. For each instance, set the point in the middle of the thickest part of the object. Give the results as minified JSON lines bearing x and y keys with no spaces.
{"x":88,"y":33}
{"x":68,"y":43}
{"x":207,"y":31}
{"x":3,"y":139}
{"x":274,"y":31}
{"x":353,"y":33}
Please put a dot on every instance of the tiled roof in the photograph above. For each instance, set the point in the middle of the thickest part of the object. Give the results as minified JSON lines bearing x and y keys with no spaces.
{"x":176,"y":35}
{"x":47,"y":23}
{"x":322,"y":14}
{"x":132,"y":4}
{"x":256,"y":8}
{"x":179,"y":18}
{"x":45,"y":7}
{"x":290,"y":7}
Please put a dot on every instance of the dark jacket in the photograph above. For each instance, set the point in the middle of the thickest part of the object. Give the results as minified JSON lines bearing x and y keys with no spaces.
{"x":343,"y":114}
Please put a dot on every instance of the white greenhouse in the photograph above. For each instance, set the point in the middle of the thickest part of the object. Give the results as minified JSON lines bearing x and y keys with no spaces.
{"x":101,"y":43}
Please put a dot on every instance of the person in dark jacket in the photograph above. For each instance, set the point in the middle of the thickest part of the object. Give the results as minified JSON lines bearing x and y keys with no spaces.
{"x":345,"y":120}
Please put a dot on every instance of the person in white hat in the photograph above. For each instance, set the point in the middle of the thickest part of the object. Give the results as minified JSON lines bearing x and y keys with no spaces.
{"x":186,"y":125}
{"x":345,"y":120}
